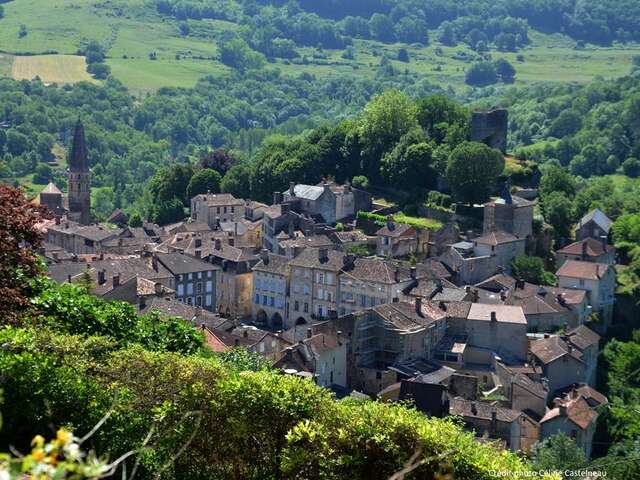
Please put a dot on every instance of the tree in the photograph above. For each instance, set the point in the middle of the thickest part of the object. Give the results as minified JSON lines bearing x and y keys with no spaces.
{"x":443,"y":119}
{"x":631,"y":167}
{"x":567,"y":123}
{"x":238,"y":54}
{"x":1,"y":11}
{"x":22,"y":32}
{"x":19,"y":240}
{"x":164,"y":212}
{"x":237,"y":181}
{"x":506,"y":42}
{"x":557,"y":179}
{"x":220,"y":160}
{"x":558,"y":212}
{"x":409,"y":163}
{"x":505,"y":70}
{"x":94,"y":52}
{"x":472,"y":171}
{"x":360,"y":181}
{"x":170,"y":183}
{"x":381,"y":28}
{"x":481,"y":74}
{"x":558,"y":452}
{"x":206,"y":180}
{"x":184,"y":29}
{"x":135,"y":220}
{"x":99,"y":70}
{"x":43,"y":174}
{"x":384,"y":120}
{"x":403,"y":55}
{"x":447,"y":34}
{"x":531,"y":269}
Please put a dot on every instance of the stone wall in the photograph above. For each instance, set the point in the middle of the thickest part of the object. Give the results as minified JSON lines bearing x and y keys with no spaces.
{"x":491,"y":128}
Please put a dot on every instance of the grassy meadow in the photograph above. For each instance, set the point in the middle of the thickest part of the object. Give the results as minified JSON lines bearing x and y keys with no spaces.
{"x":51,"y":68}
{"x":132,"y":30}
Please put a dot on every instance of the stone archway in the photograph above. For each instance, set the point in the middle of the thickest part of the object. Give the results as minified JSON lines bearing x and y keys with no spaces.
{"x":301,"y":321}
{"x":261,"y":318}
{"x":276,"y":322}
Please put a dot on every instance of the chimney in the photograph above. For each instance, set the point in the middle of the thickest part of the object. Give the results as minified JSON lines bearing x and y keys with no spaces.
{"x":494,"y":420}
{"x":418,"y":305}
{"x":323,"y":255}
{"x":277,"y":198}
{"x":467,"y":288}
{"x":546,"y":335}
{"x":413,"y":271}
{"x":245,"y":333}
{"x":395,"y":300}
{"x":605,"y":242}
{"x":198,"y":253}
{"x":291,"y":229}
{"x":102,"y":277}
{"x":474,"y":409}
{"x":348,"y":261}
{"x":309,"y":333}
{"x":198,"y":242}
{"x":157,"y":287}
{"x":503,"y":294}
{"x":218,"y":244}
{"x":443,"y":306}
{"x":116,"y":279}
{"x":142,"y":303}
{"x":390,"y":224}
{"x":325,"y":186}
{"x":232,"y":242}
{"x":347,"y":187}
{"x":57,"y":220}
{"x":584,"y":250}
{"x":292,"y":189}
{"x":69,"y":278}
{"x":563,"y":410}
{"x":154,"y":263}
{"x":476,"y":295}
{"x":494,"y":317}
{"x":264,"y":256}
{"x":237,"y":342}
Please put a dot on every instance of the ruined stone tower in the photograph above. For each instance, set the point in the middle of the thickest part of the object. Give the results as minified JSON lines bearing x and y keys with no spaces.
{"x":491,"y":128}
{"x":79,"y":179}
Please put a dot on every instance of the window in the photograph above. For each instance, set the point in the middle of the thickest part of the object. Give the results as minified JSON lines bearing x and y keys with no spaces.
{"x":306,"y":307}
{"x":217,"y":209}
{"x":581,"y":283}
{"x":180,"y":290}
{"x":224,"y":210}
{"x":209,"y":273}
{"x":329,"y":279}
{"x":190,"y":300}
{"x":256,"y":299}
{"x":208,"y":300}
{"x":209,"y":286}
{"x":190,"y":289}
{"x":199,"y":287}
{"x":199,"y":300}
{"x":190,"y":276}
{"x":180,"y":278}
{"x":264,"y":299}
{"x":199,"y":275}
{"x":296,"y":306}
{"x":272,"y":301}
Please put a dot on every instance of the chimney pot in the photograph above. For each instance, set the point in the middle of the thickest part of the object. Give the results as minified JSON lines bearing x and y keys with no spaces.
{"x":413,"y":273}
{"x":418,"y":304}
{"x":292,"y":189}
{"x":218,"y":244}
{"x":102,"y":277}
{"x":494,"y":317}
{"x":158,"y":289}
{"x":309,"y":333}
{"x":116,"y":279}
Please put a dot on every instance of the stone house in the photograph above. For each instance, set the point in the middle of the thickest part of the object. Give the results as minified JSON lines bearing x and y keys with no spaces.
{"x":324,"y":355}
{"x":213,"y":208}
{"x":386,"y":336}
{"x":313,"y":292}
{"x":594,"y":224}
{"x":491,"y":421}
{"x":597,"y":279}
{"x":510,"y":214}
{"x":80,"y":239}
{"x":575,"y":418}
{"x":467,"y":267}
{"x":194,"y":280}
{"x":504,"y":246}
{"x":400,"y":240}
{"x":270,"y":291}
{"x":330,"y":201}
{"x":235,"y":279}
{"x":587,"y":250}
{"x":562,"y":364}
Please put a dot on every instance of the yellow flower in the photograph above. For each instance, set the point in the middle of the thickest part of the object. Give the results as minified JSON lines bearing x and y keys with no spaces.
{"x":63,"y":436}
{"x":37,"y":441}
{"x":38,"y":455}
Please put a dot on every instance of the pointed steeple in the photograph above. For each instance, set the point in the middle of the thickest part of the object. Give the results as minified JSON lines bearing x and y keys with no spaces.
{"x":78,"y":161}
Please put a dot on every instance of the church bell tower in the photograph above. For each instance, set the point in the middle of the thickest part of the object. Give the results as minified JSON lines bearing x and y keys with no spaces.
{"x":79,"y":179}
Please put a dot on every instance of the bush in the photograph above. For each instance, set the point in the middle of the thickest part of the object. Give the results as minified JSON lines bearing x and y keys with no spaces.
{"x":360,"y":181}
{"x":481,"y":74}
{"x":631,"y":167}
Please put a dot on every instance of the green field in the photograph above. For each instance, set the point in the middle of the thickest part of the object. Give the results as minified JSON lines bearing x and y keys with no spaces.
{"x":6,"y":63}
{"x":131,"y":30}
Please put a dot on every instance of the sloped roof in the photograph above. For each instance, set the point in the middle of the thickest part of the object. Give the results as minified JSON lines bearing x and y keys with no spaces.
{"x":496,"y":238}
{"x":308,"y":192}
{"x":577,"y":410}
{"x":583,"y":337}
{"x":594,"y":248}
{"x":51,"y":189}
{"x":392,"y":229}
{"x":504,"y":313}
{"x":179,"y":263}
{"x":596,"y":215}
{"x":584,"y":270}
{"x":276,"y":264}
{"x":483,"y":410}
{"x":310,"y":258}
{"x":547,"y":350}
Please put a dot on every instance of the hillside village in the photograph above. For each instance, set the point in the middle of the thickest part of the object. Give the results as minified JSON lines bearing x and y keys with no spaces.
{"x":327,"y":284}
